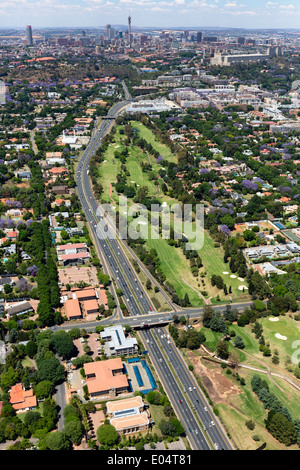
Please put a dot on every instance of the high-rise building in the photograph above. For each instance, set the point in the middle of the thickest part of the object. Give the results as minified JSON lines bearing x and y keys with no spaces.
{"x":143,"y":39}
{"x":129,"y":30}
{"x":199,"y":36}
{"x":108,"y":31}
{"x":29,"y":35}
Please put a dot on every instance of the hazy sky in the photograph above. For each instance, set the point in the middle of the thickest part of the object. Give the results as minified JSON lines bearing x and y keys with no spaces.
{"x":169,"y":13}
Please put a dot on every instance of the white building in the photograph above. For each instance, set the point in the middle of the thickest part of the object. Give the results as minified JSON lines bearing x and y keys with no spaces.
{"x":116,"y":342}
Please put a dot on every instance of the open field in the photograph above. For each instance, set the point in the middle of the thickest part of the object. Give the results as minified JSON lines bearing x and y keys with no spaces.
{"x":176,"y":268}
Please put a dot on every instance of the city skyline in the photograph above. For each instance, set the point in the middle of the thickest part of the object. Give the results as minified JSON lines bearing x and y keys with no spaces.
{"x":152,"y":13}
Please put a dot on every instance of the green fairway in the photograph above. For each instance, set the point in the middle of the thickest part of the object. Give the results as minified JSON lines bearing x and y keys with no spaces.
{"x":175,"y":266}
{"x":111,"y":166}
{"x":150,"y":137}
{"x":286,"y":327}
{"x":213,"y":263}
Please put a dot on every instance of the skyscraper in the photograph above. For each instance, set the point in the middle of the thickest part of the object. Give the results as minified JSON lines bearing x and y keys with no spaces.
{"x":129,"y":30}
{"x":29,"y":35}
{"x":108,"y":31}
{"x":199,"y":36}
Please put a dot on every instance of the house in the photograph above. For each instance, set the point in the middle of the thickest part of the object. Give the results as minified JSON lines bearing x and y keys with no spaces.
{"x":58,"y":171}
{"x":22,"y":400}
{"x":5,"y":280}
{"x":106,"y":378}
{"x":12,"y":236}
{"x":60,"y":189}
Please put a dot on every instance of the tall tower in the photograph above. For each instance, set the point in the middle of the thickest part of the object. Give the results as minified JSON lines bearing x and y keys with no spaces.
{"x":29,"y":35}
{"x":129,"y":29}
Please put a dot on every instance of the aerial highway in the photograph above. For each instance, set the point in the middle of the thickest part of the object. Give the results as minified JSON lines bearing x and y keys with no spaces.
{"x":117,"y":265}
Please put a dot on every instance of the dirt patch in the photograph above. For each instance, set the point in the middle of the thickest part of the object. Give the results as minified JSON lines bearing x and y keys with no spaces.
{"x":219,"y":387}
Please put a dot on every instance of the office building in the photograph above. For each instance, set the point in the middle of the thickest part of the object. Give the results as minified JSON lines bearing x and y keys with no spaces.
{"x":224,"y":59}
{"x":29,"y":35}
{"x":106,"y":378}
{"x":199,"y":36}
{"x":129,"y":416}
{"x":116,"y":343}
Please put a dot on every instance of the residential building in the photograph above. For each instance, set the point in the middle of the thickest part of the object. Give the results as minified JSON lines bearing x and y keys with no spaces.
{"x":22,"y":400}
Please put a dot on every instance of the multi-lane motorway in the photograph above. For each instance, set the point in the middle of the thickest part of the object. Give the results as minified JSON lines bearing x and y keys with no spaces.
{"x":202,"y":429}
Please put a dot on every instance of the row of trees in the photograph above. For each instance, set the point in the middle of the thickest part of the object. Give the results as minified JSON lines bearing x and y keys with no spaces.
{"x":279,"y":421}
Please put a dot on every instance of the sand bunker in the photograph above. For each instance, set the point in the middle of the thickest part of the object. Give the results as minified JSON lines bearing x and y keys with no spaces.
{"x":242,"y":287}
{"x":225,"y":272}
{"x":279,"y":336}
{"x":233,"y":276}
{"x":274,"y":319}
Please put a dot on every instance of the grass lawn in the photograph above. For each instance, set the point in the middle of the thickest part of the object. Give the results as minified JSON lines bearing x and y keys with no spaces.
{"x":212,"y":338}
{"x":156,"y":412}
{"x":175,"y":266}
{"x":111,"y":166}
{"x":149,"y":136}
{"x":286,"y":327}
{"x":212,"y":259}
{"x":250,"y":407}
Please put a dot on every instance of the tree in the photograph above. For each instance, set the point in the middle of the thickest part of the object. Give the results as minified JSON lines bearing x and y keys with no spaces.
{"x":107,"y":435}
{"x":74,"y":431}
{"x":57,"y":441}
{"x":222,"y":350}
{"x":51,"y":370}
{"x":167,"y":428}
{"x":179,"y":429}
{"x":43,"y":389}
{"x":63,"y":344}
{"x":281,"y":428}
{"x":208,"y":313}
{"x":239,"y":342}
